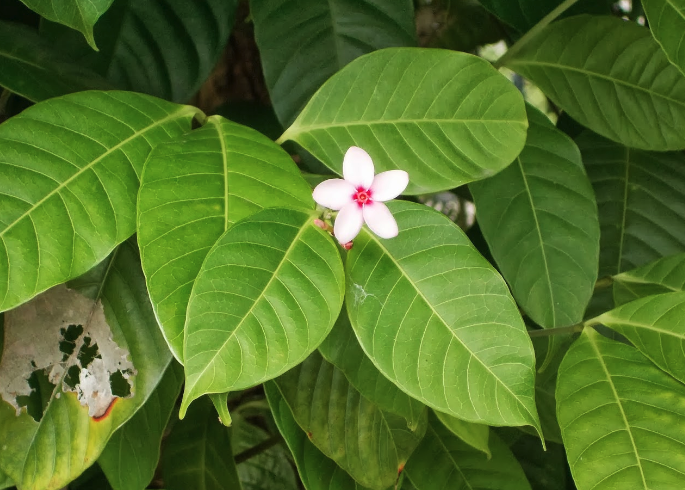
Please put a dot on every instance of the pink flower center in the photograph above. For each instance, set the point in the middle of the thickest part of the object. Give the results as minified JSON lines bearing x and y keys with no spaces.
{"x":362,"y":196}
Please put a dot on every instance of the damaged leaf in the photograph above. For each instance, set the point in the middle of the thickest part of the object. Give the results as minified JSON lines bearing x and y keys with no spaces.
{"x":80,"y":360}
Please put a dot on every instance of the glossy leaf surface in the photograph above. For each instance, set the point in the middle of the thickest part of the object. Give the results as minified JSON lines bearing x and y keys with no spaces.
{"x":341,"y":348}
{"x":539,"y":217}
{"x":317,"y":471}
{"x":49,"y":453}
{"x":661,"y":276}
{"x":641,"y":202}
{"x":267,"y":295}
{"x":165,"y":48}
{"x":620,"y":417}
{"x":197,"y":454}
{"x":69,"y":170}
{"x":192,"y":190}
{"x":37,"y":71}
{"x":447,"y":118}
{"x":437,"y":320}
{"x":656,"y":326}
{"x":77,"y":14}
{"x":616,"y":81}
{"x":370,"y":444}
{"x":667,"y":23}
{"x":300,"y":52}
{"x":132,"y":454}
{"x":442,"y":461}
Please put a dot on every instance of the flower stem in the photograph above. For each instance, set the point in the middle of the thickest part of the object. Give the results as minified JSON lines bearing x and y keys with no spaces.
{"x":534,"y":31}
{"x":547,"y":332}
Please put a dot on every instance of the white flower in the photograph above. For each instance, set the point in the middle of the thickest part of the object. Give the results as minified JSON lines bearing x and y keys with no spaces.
{"x":360,"y":196}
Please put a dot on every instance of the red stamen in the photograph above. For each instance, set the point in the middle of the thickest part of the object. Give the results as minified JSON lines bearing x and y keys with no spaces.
{"x":362,"y":196}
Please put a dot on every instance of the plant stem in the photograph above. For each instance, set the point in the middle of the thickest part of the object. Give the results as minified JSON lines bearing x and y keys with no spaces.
{"x":4,"y":97}
{"x":547,"y":332}
{"x":604,"y":282}
{"x":258,"y":449}
{"x":534,"y":31}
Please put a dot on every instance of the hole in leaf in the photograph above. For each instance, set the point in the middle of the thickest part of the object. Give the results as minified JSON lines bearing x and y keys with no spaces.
{"x":120,"y":385}
{"x":88,"y":353}
{"x":41,"y":391}
{"x":69,"y":337}
{"x":72,"y":376}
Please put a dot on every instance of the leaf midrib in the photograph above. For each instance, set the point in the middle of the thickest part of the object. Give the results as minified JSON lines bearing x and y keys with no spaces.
{"x":242,"y":320}
{"x":591,"y":74}
{"x":620,"y":407}
{"x":82,"y":170}
{"x":443,"y":322}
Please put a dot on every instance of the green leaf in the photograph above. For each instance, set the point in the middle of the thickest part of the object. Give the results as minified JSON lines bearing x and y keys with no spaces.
{"x":120,"y":336}
{"x":341,"y":348}
{"x":655,"y":326}
{"x":443,"y":461}
{"x":549,"y":257}
{"x":438,"y":321}
{"x":620,"y":416}
{"x":5,"y":481}
{"x":524,"y":14}
{"x":545,"y":469}
{"x":445,"y":117}
{"x":165,"y":48}
{"x":300,"y":52}
{"x":370,"y":444}
{"x":269,"y":470}
{"x":616,"y":81}
{"x":220,"y":401}
{"x":131,"y":456}
{"x":192,"y":190}
{"x":661,"y":276}
{"x":34,"y":69}
{"x":69,"y":169}
{"x":475,"y":435}
{"x":460,"y":25}
{"x":667,"y":23}
{"x":267,"y":295}
{"x":317,"y":471}
{"x":77,"y":14}
{"x":641,"y":201}
{"x":197,"y":454}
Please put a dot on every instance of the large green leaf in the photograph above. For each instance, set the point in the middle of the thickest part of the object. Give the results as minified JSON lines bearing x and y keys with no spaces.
{"x":304,"y":42}
{"x":661,"y":276}
{"x":616,"y":80}
{"x":370,"y":444}
{"x":656,"y":326}
{"x":34,"y":69}
{"x":317,"y":471}
{"x":5,"y":481}
{"x":69,"y":170}
{"x":77,"y":14}
{"x":111,"y":307}
{"x":641,"y":201}
{"x":539,"y":217}
{"x":197,"y":454}
{"x":267,"y":295}
{"x":192,"y":190}
{"x":444,"y":461}
{"x":445,"y":117}
{"x":165,"y":48}
{"x":437,"y":320}
{"x":621,"y":417}
{"x":342,"y":349}
{"x":131,"y":456}
{"x":667,"y":23}
{"x":524,"y":14}
{"x":270,"y":469}
{"x":475,"y":435}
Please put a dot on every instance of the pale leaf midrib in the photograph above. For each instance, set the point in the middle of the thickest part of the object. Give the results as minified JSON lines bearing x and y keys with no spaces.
{"x":620,"y":407}
{"x":444,"y":323}
{"x":82,"y":170}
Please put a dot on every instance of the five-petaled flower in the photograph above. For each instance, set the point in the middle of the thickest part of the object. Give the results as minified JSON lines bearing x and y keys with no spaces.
{"x":359,"y":197}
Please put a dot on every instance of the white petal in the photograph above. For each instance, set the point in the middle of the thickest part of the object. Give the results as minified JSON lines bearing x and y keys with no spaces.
{"x":388,"y":185}
{"x":358,"y":167}
{"x":334,"y":193}
{"x":348,"y":223}
{"x":380,"y":220}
